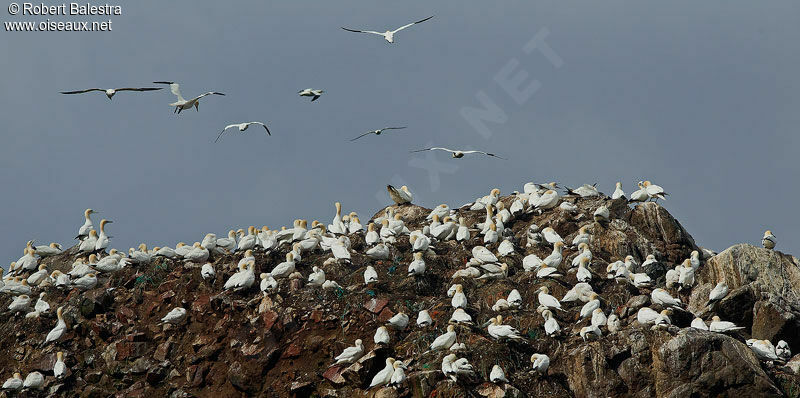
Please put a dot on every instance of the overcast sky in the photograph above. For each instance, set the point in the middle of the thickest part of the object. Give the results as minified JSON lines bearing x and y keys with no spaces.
{"x":701,"y":98}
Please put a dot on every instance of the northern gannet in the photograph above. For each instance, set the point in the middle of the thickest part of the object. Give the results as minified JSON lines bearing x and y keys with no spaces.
{"x":441,"y":211}
{"x":20,"y":303}
{"x":176,"y":316}
{"x":651,"y":259}
{"x":445,"y":340}
{"x":370,"y":275}
{"x":491,"y":235}
{"x":310,"y":92}
{"x":60,"y":279}
{"x":613,"y":323}
{"x":351,"y":354}
{"x":551,"y":236}
{"x":460,"y":316}
{"x":540,"y":363}
{"x":34,"y":381}
{"x":37,"y":277}
{"x":244,"y":278}
{"x":499,"y":331}
{"x":551,"y":326}
{"x":583,"y":274}
{"x":554,"y":259}
{"x":501,"y":305}
{"x":59,"y":329}
{"x":686,"y":276}
{"x":601,"y":215}
{"x":672,"y":276}
{"x":590,"y":332}
{"x":41,"y":305}
{"x":372,"y":236}
{"x":60,"y":368}
{"x":763,"y":349}
{"x":340,"y":249}
{"x":389,"y":34}
{"x":468,"y":272}
{"x":336,"y":226}
{"x":242,"y":127}
{"x":102,"y":240}
{"x":424,"y":319}
{"x":639,"y":195}
{"x":229,"y":243}
{"x":80,"y":267}
{"x":18,"y":287}
{"x":618,"y":192}
{"x":248,"y":241}
{"x":514,"y":298}
{"x":698,"y":323}
{"x":531,"y":263}
{"x":399,"y":321}
{"x":769,"y":240}
{"x":662,"y":297}
{"x":462,"y":234}
{"x":28,"y":261}
{"x":546,"y":271}
{"x":207,"y":271}
{"x":459,"y":299}
{"x":143,"y":256}
{"x":584,"y":191}
{"x":647,"y":315}
{"x":378,"y":132}
{"x":83,"y":231}
{"x":111,"y":91}
{"x":182,"y":104}
{"x":782,"y":350}
{"x":384,"y":376}
{"x":48,"y":250}
{"x":399,"y":374}
{"x":417,"y":267}
{"x":268,"y":283}
{"x":198,"y":254}
{"x":452,"y":367}
{"x":599,"y":318}
{"x":86,"y":282}
{"x":589,"y":307}
{"x":420,"y":242}
{"x":14,"y":382}
{"x":381,"y":336}
{"x":317,"y":277}
{"x":494,"y":271}
{"x":355,"y":223}
{"x":546,"y":299}
{"x":88,"y":244}
{"x":457,"y":154}
{"x":721,"y":326}
{"x":483,"y":255}
{"x":547,"y":200}
{"x":654,"y":191}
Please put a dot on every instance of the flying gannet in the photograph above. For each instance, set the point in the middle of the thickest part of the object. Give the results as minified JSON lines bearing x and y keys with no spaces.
{"x":457,"y":154}
{"x":389,"y":34}
{"x":182,"y":104}
{"x":111,"y":91}
{"x":242,"y":127}
{"x":310,"y":92}
{"x":378,"y":132}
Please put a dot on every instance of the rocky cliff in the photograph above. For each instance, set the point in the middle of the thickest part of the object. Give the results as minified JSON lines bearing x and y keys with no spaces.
{"x":282,"y":344}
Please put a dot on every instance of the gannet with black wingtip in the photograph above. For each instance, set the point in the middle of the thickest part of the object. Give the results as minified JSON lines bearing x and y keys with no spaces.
{"x":514,"y":298}
{"x":242,"y":127}
{"x":176,"y":316}
{"x":584,"y":191}
{"x":720,"y":326}
{"x":662,"y":297}
{"x":491,"y":235}
{"x":654,"y":191}
{"x":60,"y":279}
{"x":551,"y":326}
{"x":763,"y":349}
{"x":501,"y":305}
{"x":583,"y":274}
{"x":546,"y":271}
{"x":207,"y":271}
{"x":59,"y":368}
{"x":459,"y":299}
{"x":13,"y":383}
{"x":37,"y":277}
{"x":268,"y":283}
{"x":229,"y":243}
{"x":769,"y":240}
{"x":424,"y":319}
{"x":285,"y":268}
{"x":589,"y":307}
{"x":381,"y":336}
{"x":379,"y":132}
{"x":384,"y":376}
{"x":48,"y":250}
{"x":33,"y":381}
{"x":389,"y":34}
{"x":551,"y":236}
{"x":686,"y":276}
{"x":28,"y":262}
{"x":554,"y":259}
{"x":182,"y":104}
{"x":540,"y":363}
{"x":490,"y":199}
{"x":440,"y":211}
{"x":583,"y":236}
{"x":41,"y":305}
{"x":420,"y":241}
{"x":545,"y":299}
{"x":640,"y":195}
{"x":59,"y":329}
{"x":548,"y":200}
{"x":457,"y":154}
{"x":372,"y":236}
{"x":444,"y":341}
{"x":317,"y":277}
{"x":310,"y":92}
{"x":500,"y":331}
{"x":483,"y":255}
{"x":83,"y":231}
{"x":602,"y":214}
{"x":110,"y":92}
{"x":618,"y":192}
{"x":243,"y":279}
{"x":86,"y":282}
{"x":590,"y":332}
{"x":647,"y":315}
{"x":370,"y":275}
{"x":583,"y":253}
{"x":399,"y":374}
{"x":350,"y":354}
{"x":599,"y":318}
{"x":494,"y":271}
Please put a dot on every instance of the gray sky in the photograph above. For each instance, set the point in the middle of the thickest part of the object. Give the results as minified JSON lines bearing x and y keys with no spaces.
{"x":701,"y":98}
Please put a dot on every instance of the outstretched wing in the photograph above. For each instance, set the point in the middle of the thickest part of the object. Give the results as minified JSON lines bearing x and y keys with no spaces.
{"x":83,"y":91}
{"x":138,"y":89}
{"x":223,"y":130}
{"x":175,"y":88}
{"x":262,"y":125}
{"x":413,"y":23}
{"x":367,"y":133}
{"x":434,"y":149}
{"x":363,"y":31}
{"x":392,"y":128}
{"x":483,"y":153}
{"x":208,"y":93}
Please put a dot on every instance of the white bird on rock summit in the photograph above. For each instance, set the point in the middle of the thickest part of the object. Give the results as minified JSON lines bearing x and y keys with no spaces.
{"x":389,"y":34}
{"x":400,"y":196}
{"x":769,"y":240}
{"x":182,"y":104}
{"x":457,"y":154}
{"x":111,"y":91}
{"x":242,"y":127}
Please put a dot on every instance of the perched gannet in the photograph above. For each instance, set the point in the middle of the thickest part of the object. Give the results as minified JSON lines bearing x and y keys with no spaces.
{"x":268,"y":283}
{"x":483,"y":255}
{"x":583,"y":274}
{"x":207,"y":271}
{"x":491,"y":235}
{"x":546,"y":299}
{"x":654,"y":191}
{"x":540,"y":363}
{"x":551,"y":326}
{"x":618,"y":192}
{"x":399,"y":321}
{"x":228,"y":244}
{"x":698,"y":323}
{"x":339,"y":249}
{"x":13,"y":383}
{"x":639,"y":195}
{"x":330,"y":285}
{"x":16,"y":287}
{"x":37,"y":277}
{"x":48,"y":250}
{"x":402,"y":194}
{"x":28,"y":262}
{"x":686,"y":276}
{"x":551,"y":236}
{"x":662,"y":297}
{"x":182,"y":104}
{"x":372,"y":236}
{"x":501,"y":305}
{"x":485,"y":201}
{"x":494,"y":271}
{"x":514,"y":298}
{"x":599,"y":318}
{"x":317,"y":277}
{"x":444,"y":341}
{"x":389,"y":34}
{"x":589,"y":307}
{"x":721,"y":326}
{"x":198,"y":254}
{"x":59,"y":329}
{"x":613,"y":323}
{"x":531,"y":263}
{"x":554,"y":259}
{"x":568,"y":207}
{"x":452,"y":367}
{"x":497,"y":375}
{"x":647,"y":315}
{"x":651,"y":259}
{"x":33,"y":381}
{"x":583,"y":236}
{"x":584,"y":191}
{"x":602,"y":214}
{"x":547,"y":271}
{"x":60,"y":368}
{"x":370,"y":275}
{"x":672,"y":276}
{"x":763,"y":349}
{"x":86,"y":282}
{"x":499,"y":331}
{"x":424,"y":319}
{"x":60,"y":279}
{"x":242,"y":127}
{"x":351,"y":354}
{"x":88,"y":244}
{"x":419,"y":242}
{"x":20,"y":303}
{"x":143,"y":256}
{"x":384,"y":376}
{"x":417,"y":267}
{"x":718,"y":292}
{"x":457,"y":154}
{"x":381,"y":336}
{"x":102,"y":240}
{"x":176,"y":316}
{"x":467,"y":273}
{"x":547,"y":200}
{"x":310,"y":92}
{"x":769,"y":240}
{"x":459,"y":299}
{"x":41,"y":305}
{"x":590,"y":332}
{"x":243,"y":279}
{"x":355,"y":224}
{"x":782,"y":350}
{"x":83,"y":231}
{"x":285,"y":268}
